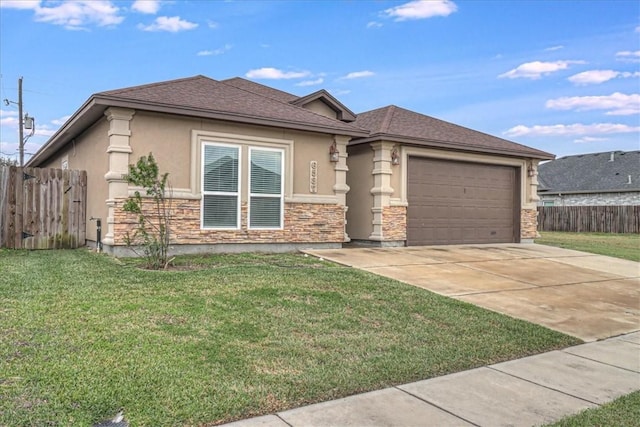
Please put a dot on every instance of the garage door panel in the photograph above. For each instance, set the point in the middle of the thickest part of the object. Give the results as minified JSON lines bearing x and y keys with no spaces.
{"x":456,"y":202}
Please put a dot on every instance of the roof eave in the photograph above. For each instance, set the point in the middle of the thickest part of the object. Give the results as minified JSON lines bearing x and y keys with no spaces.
{"x":556,"y":192}
{"x":450,"y":145}
{"x":94,"y":108}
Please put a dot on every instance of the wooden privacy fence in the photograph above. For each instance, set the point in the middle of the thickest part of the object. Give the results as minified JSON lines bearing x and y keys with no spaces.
{"x":42,"y":208}
{"x":596,"y":219}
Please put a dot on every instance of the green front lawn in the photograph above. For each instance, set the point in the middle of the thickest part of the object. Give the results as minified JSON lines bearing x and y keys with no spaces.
{"x":626,"y":246}
{"x":622,"y":412}
{"x":84,"y":335}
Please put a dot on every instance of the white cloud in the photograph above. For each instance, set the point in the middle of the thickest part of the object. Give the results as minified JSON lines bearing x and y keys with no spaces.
{"x":575,"y":129}
{"x":617,"y":104}
{"x":536,"y":69}
{"x":215,"y":52}
{"x":212,"y":24}
{"x":62,"y":120}
{"x":315,"y":82}
{"x":600,"y":76}
{"x":374,"y":24}
{"x":146,"y":6}
{"x":77,"y":15}
{"x":171,"y":24}
{"x":628,"y":56}
{"x":9,"y":118}
{"x":340,"y":92}
{"x":554,"y":48}
{"x":274,"y":73}
{"x":587,"y":139}
{"x":20,"y":4}
{"x":421,"y":9}
{"x":358,"y":75}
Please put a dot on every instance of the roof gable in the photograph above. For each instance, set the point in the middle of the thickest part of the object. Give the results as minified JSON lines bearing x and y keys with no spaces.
{"x":398,"y":124}
{"x":202,"y":96}
{"x":591,"y":173}
{"x":342,"y":112}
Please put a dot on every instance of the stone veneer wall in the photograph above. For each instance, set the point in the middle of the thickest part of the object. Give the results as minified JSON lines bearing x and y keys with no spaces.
{"x":528,"y":224}
{"x":394,"y":223}
{"x":593,"y":199}
{"x":303,"y":223}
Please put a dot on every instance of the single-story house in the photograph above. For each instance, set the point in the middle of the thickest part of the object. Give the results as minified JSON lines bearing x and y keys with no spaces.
{"x":597,"y":179}
{"x":255,"y":168}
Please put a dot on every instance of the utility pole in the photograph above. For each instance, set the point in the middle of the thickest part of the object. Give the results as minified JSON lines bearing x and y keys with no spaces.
{"x":21,"y":123}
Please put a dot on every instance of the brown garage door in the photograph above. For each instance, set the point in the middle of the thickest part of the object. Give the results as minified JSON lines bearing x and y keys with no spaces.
{"x":457,"y":202}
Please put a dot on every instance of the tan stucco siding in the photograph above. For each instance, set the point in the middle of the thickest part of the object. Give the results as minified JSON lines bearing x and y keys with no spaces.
{"x":320,"y":107}
{"x":169,"y":138}
{"x":88,"y":152}
{"x":359,"y":197}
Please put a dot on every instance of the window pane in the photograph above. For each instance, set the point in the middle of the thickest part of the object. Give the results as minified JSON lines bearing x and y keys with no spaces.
{"x":265,"y":212}
{"x":220,"y":168}
{"x":220,"y":211}
{"x":266,"y":172}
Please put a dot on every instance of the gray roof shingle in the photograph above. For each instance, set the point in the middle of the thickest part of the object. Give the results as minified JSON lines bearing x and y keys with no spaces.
{"x":591,"y":173}
{"x":395,"y":123}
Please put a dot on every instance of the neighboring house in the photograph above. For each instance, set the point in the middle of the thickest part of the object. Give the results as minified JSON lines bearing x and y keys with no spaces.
{"x":609,"y":178}
{"x":255,"y":168}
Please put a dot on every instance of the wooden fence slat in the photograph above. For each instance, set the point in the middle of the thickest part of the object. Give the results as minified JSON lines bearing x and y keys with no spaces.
{"x":593,"y":219}
{"x":47,"y":205}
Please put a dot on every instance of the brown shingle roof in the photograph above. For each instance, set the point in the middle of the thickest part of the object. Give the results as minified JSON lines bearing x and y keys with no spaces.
{"x":398,"y":124}
{"x":259,"y":89}
{"x":201,"y":94}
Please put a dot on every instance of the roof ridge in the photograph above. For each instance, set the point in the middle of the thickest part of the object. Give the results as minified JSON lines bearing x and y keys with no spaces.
{"x":225,"y":81}
{"x":386,"y":121}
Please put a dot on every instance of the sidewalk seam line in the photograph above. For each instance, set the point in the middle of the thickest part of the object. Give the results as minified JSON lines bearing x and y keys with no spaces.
{"x":545,"y":386}
{"x":277,"y":414}
{"x":435,"y":406}
{"x":598,"y":361}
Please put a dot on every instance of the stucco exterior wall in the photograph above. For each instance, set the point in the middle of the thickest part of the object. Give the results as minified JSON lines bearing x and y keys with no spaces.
{"x":359,"y":197}
{"x":169,"y":138}
{"x":88,"y":152}
{"x":321,"y":108}
{"x":593,"y":199}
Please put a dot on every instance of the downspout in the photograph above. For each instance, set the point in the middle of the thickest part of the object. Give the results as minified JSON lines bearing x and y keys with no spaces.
{"x":98,"y":232}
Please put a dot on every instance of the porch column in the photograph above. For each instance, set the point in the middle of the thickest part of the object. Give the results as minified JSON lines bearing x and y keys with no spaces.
{"x":118,"y":153}
{"x":381,"y":190}
{"x":341,"y":188}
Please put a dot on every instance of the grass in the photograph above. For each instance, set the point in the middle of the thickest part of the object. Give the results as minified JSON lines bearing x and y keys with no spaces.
{"x":626,"y":246}
{"x":84,"y":334}
{"x":622,"y":412}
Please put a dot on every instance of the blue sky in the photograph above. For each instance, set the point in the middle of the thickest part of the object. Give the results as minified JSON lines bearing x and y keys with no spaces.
{"x":560,"y":76}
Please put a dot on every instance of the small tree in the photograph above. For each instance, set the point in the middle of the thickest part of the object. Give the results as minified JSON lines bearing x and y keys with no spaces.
{"x":7,"y":161}
{"x":152,"y":234}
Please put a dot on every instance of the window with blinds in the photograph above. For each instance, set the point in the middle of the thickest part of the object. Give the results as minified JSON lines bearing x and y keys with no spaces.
{"x":220,"y":186}
{"x":266,"y":192}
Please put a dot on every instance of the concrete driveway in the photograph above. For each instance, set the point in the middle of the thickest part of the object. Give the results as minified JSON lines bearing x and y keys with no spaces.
{"x":588,"y":296}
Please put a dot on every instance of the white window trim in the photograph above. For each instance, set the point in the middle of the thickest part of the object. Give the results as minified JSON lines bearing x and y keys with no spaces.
{"x":238,"y":193}
{"x":281,"y":195}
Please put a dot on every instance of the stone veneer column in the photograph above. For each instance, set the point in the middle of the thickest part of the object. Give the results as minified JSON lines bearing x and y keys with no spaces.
{"x":118,"y":152}
{"x":341,"y":188}
{"x":381,"y":190}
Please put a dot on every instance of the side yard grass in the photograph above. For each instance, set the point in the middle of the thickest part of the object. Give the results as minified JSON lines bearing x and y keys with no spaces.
{"x":622,"y":412}
{"x":84,"y":334}
{"x":626,"y":246}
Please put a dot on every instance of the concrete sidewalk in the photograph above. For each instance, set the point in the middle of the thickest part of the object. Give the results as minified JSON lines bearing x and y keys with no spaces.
{"x":525,"y":392}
